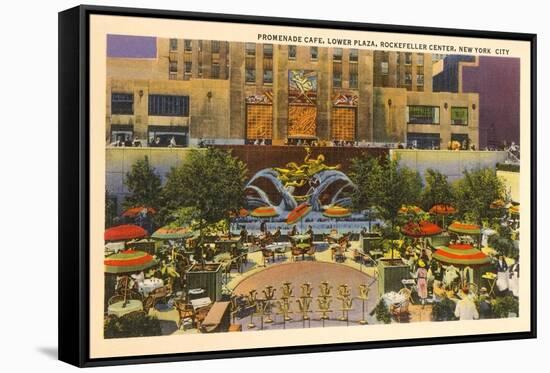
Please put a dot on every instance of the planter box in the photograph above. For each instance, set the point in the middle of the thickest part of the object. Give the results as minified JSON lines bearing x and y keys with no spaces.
{"x":390,"y":274}
{"x":208,"y":278}
{"x":370,"y":241}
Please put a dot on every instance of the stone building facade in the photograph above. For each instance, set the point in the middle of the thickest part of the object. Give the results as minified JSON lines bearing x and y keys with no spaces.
{"x":186,"y":91}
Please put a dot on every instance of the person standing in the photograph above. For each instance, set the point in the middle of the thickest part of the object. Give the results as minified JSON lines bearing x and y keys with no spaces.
{"x":422,"y":281}
{"x":466,"y":308}
{"x":485,"y":307}
{"x":309,"y":232}
{"x":502,"y":274}
{"x":294,"y":231}
{"x":513,"y":283}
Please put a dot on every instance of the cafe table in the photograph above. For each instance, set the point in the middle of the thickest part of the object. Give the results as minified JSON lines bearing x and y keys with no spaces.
{"x":300,"y":237}
{"x":150,"y":284}
{"x":491,"y":279}
{"x":120,"y":308}
{"x":279,"y":248}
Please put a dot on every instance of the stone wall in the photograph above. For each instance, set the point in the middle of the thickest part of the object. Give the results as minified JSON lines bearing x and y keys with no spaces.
{"x":448,"y":162}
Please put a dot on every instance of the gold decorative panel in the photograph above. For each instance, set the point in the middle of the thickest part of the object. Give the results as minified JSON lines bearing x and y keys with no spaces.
{"x":259,"y":121}
{"x":343,"y":124}
{"x":302,"y":121}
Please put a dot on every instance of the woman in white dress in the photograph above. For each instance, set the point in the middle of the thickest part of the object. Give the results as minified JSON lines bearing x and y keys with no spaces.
{"x":502,"y":274}
{"x":513,"y":283}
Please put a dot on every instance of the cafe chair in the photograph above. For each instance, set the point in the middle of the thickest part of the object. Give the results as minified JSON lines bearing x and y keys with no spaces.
{"x":267,"y":255}
{"x":296,"y":253}
{"x":311,"y":252}
{"x":400,"y":311}
{"x":187,"y":313}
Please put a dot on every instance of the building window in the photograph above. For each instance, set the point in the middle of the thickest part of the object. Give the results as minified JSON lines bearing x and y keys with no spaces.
{"x":168,"y":136}
{"x":173,"y":67}
{"x":199,"y":70}
{"x":215,"y":46}
{"x":165,"y":105}
{"x":353,"y":75}
{"x":250,"y":49}
{"x":291,"y":52}
{"x":122,"y":103}
{"x":408,"y":58}
{"x":462,"y":138}
{"x":337,"y":54}
{"x":314,"y":53}
{"x":173,"y":45}
{"x":384,"y":68}
{"x":337,"y":75}
{"x":420,"y":79}
{"x":353,"y":55}
{"x":250,"y":63}
{"x":408,"y":78}
{"x":187,"y":45}
{"x":417,"y":114}
{"x":423,"y":140}
{"x":420,"y":59}
{"x":268,"y":64}
{"x":215,"y":72}
{"x":122,"y":134}
{"x":459,"y":116}
{"x":187,"y":66}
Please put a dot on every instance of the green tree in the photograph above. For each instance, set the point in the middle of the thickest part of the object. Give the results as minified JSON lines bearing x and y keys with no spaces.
{"x":110,"y":210}
{"x":384,"y":186}
{"x":474,"y":193}
{"x":437,"y":190}
{"x":143,"y":184}
{"x":205,"y":188}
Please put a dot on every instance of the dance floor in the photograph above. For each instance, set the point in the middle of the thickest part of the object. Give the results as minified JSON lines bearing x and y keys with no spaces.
{"x":313,"y":272}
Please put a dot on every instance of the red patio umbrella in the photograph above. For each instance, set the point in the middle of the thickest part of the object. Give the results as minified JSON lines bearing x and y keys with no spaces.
{"x":410,"y":210}
{"x":135,"y":211}
{"x":298,"y":213}
{"x":124,"y":232}
{"x":421,"y":229}
{"x":443,"y":209}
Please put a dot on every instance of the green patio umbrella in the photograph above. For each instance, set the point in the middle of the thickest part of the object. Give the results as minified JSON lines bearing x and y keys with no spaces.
{"x":128,"y":261}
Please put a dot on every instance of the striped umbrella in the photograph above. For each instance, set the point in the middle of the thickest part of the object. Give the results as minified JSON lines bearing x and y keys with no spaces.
{"x":336,"y":212}
{"x":264,"y":212}
{"x":421,"y":229}
{"x":171,"y":233}
{"x":124,"y":232}
{"x":135,"y":211}
{"x":463,"y":228}
{"x":460,"y":254}
{"x":128,"y":261}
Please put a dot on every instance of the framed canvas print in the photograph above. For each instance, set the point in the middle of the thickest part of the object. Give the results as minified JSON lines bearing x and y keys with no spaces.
{"x":234,"y":186}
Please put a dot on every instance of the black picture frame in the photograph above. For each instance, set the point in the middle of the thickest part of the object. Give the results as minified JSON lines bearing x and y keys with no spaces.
{"x":74,"y":190}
